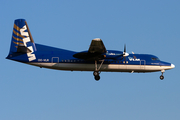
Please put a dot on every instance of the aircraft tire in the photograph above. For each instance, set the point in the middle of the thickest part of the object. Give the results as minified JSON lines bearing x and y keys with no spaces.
{"x":161,"y":77}
{"x":97,"y":77}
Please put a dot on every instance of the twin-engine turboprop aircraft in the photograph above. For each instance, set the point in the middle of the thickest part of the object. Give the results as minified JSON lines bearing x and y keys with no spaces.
{"x":97,"y":58}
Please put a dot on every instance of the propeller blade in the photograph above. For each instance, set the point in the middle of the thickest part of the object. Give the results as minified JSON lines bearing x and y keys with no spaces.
{"x":124,"y":48}
{"x":125,"y":54}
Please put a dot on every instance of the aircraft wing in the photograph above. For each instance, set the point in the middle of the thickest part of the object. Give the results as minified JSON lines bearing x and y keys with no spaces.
{"x":97,"y":46}
{"x":95,"y":51}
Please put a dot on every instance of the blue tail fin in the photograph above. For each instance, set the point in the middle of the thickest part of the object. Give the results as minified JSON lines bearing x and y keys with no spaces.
{"x":22,"y":41}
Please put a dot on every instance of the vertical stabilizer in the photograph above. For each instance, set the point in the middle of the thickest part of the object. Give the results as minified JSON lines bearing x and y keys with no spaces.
{"x":22,"y":41}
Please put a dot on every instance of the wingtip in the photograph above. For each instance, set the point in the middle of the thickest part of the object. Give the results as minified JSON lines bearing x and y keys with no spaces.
{"x":97,"y":39}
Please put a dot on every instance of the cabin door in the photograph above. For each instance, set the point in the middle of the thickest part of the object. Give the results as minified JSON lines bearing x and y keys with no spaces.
{"x":55,"y":59}
{"x":142,"y":64}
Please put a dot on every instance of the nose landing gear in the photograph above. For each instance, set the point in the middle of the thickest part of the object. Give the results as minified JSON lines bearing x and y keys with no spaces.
{"x":162,"y":77}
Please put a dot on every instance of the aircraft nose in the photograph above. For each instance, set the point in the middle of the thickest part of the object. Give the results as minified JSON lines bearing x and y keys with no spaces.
{"x":172,"y":66}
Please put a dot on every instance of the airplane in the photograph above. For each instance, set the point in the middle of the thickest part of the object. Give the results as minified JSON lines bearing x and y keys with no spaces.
{"x":96,"y":58}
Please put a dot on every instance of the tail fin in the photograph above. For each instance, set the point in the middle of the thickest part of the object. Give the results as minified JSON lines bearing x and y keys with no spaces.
{"x":22,"y":41}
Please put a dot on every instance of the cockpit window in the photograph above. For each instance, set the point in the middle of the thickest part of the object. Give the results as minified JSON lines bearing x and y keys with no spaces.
{"x":154,"y":58}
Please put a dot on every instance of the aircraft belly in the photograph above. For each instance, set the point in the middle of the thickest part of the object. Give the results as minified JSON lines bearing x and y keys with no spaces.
{"x":134,"y":67}
{"x":157,"y":68}
{"x":105,"y":67}
{"x":46,"y":65}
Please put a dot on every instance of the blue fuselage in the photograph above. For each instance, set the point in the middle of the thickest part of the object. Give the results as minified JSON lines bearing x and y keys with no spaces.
{"x":56,"y":58}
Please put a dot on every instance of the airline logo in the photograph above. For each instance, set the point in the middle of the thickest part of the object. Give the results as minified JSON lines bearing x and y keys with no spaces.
{"x":133,"y":59}
{"x":21,"y":38}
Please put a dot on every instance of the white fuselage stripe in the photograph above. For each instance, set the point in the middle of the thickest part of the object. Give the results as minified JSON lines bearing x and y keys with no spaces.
{"x":105,"y":67}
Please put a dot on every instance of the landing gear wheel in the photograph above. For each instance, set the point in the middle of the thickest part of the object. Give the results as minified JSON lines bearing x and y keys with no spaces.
{"x":96,"y":73}
{"x":97,"y":70}
{"x":97,"y":77}
{"x":161,"y":77}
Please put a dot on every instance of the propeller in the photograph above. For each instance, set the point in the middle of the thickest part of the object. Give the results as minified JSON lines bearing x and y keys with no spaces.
{"x":125,"y":54}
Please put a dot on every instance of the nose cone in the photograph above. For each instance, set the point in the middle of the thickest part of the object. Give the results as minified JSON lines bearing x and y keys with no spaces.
{"x":172,"y":66}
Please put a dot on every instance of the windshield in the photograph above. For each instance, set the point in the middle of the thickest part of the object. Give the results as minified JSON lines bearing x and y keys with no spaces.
{"x":153,"y":58}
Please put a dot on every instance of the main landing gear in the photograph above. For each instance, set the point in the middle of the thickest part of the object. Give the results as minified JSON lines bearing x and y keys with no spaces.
{"x":96,"y":75}
{"x":162,"y":77}
{"x":97,"y":72}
